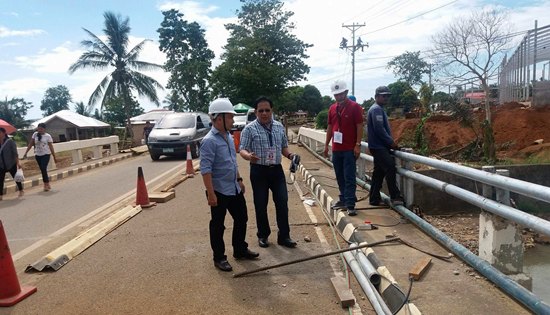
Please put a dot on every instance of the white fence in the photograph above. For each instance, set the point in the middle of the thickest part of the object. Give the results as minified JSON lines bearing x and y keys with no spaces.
{"x":76,"y":147}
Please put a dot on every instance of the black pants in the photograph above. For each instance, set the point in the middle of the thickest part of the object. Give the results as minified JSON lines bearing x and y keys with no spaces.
{"x":263,"y":179}
{"x":12,"y":171}
{"x":43,"y":161}
{"x":384,"y":166}
{"x":236,"y":205}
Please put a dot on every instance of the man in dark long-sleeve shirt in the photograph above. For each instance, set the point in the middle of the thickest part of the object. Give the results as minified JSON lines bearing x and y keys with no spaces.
{"x":380,"y":142}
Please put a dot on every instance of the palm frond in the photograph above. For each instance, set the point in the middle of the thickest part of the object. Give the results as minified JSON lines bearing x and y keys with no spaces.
{"x":98,"y":92}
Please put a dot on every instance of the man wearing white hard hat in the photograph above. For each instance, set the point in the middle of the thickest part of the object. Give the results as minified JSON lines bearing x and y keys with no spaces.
{"x":224,"y":185}
{"x":345,"y":129}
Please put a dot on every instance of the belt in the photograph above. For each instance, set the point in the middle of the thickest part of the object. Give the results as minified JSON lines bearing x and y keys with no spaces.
{"x":266,"y":166}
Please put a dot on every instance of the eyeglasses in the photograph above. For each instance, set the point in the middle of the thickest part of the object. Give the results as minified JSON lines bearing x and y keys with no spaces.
{"x":264,"y":110}
{"x":385,"y":95}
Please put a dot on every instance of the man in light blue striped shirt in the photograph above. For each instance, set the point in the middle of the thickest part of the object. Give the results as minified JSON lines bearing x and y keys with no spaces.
{"x":224,"y":186}
{"x":263,"y":142}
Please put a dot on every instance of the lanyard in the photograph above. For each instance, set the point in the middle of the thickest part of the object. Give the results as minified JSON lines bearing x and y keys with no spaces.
{"x":339,"y":115}
{"x":269,"y":134}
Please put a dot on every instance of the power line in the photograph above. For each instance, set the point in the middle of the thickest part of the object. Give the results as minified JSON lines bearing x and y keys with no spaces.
{"x":411,"y":18}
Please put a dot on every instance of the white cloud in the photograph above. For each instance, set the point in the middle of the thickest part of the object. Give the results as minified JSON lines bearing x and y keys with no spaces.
{"x":6,"y":32}
{"x":58,"y":60}
{"x":23,"y":87}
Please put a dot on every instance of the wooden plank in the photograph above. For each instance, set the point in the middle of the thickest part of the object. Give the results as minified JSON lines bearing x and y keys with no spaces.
{"x":420,"y":267}
{"x":161,"y":196}
{"x":344,"y":293}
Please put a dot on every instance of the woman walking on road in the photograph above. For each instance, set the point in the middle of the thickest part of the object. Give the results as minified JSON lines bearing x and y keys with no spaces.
{"x":9,"y":161}
{"x":43,"y":148}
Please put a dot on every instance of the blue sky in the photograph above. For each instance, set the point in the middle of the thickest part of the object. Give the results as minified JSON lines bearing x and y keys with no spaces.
{"x":40,"y":39}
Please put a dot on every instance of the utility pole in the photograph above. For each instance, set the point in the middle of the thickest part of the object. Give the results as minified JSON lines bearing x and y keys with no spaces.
{"x":353,"y":48}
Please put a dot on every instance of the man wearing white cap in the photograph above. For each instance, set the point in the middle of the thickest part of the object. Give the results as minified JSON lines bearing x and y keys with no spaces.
{"x":345,"y":129}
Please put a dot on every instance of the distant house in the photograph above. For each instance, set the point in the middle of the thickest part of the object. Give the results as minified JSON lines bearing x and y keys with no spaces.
{"x":138,"y":122}
{"x":66,"y":125}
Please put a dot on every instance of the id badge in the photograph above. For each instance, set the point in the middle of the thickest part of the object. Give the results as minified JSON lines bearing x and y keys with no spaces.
{"x":270,"y":156}
{"x":338,"y":137}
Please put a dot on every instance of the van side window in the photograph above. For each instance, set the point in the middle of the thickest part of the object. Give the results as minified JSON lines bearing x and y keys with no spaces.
{"x":200,"y":124}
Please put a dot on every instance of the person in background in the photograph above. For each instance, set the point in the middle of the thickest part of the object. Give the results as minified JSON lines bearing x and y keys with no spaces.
{"x":345,"y":129}
{"x":263,"y":143}
{"x":9,"y":161}
{"x":224,"y":186}
{"x":43,"y":150}
{"x":380,"y":143}
{"x":146,"y":131}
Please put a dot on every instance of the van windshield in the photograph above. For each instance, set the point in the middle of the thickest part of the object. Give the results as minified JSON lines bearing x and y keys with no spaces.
{"x":176,"y":122}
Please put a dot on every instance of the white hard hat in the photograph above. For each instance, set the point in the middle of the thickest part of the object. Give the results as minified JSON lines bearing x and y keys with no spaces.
{"x":220,"y":106}
{"x":338,"y":87}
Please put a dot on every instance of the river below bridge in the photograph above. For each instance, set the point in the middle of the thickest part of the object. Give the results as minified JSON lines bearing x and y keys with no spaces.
{"x":537,"y":265}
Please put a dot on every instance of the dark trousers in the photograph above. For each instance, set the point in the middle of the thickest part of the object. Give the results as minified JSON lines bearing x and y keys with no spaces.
{"x":12,"y":171}
{"x":43,"y":161}
{"x":384,"y":166}
{"x":236,"y":205}
{"x":344,"y":169}
{"x":263,"y":179}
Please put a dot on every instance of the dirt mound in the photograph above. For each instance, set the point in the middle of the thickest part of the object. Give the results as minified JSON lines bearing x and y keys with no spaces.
{"x":515,"y":127}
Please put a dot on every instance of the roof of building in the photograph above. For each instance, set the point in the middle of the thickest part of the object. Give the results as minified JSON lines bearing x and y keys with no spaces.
{"x":152,"y":116}
{"x":72,"y":118}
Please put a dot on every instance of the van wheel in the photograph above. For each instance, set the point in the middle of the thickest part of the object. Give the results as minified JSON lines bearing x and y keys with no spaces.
{"x":195,"y":151}
{"x":154,"y":157}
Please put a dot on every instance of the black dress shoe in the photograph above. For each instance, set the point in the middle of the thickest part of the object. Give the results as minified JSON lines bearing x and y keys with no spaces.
{"x":263,"y":242}
{"x":287,"y":242}
{"x":223,"y":265}
{"x":247,"y":255}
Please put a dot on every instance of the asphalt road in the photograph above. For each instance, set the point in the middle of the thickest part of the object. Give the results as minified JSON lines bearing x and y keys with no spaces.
{"x":40,"y":214}
{"x":160,"y":262}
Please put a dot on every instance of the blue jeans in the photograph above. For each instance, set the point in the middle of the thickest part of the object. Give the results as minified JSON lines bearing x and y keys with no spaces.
{"x":344,"y":168}
{"x":263,"y":179}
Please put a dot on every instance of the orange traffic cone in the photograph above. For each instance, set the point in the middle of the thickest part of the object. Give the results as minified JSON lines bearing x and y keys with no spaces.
{"x":142,"y":198}
{"x":189,"y":170}
{"x":237,"y":139}
{"x":10,"y":290}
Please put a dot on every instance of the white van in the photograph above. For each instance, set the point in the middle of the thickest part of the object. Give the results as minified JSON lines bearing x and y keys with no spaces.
{"x":175,"y":131}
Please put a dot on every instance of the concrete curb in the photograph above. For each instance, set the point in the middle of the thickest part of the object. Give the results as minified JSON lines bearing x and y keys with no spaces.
{"x":389,"y":288}
{"x":60,"y":174}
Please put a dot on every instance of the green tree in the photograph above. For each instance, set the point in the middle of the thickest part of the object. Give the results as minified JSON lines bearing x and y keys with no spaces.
{"x":173,"y":101}
{"x":311,"y":100}
{"x":14,"y":111}
{"x":188,"y":60}
{"x":262,"y":56}
{"x":409,"y":67}
{"x":321,"y":120}
{"x":83,"y":109}
{"x":55,"y":99}
{"x":426,"y":93}
{"x":126,"y":78}
{"x":289,"y":99}
{"x":368,"y":103}
{"x":117,"y":109}
{"x":403,"y":96}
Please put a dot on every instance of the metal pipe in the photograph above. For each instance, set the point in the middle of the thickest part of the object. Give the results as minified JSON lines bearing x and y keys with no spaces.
{"x":367,"y":287}
{"x":368,"y":269}
{"x":389,"y":240}
{"x":508,"y":285}
{"x":525,"y":219}
{"x":521,"y":187}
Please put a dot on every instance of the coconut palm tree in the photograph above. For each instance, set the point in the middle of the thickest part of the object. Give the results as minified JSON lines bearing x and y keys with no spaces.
{"x":113,"y":53}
